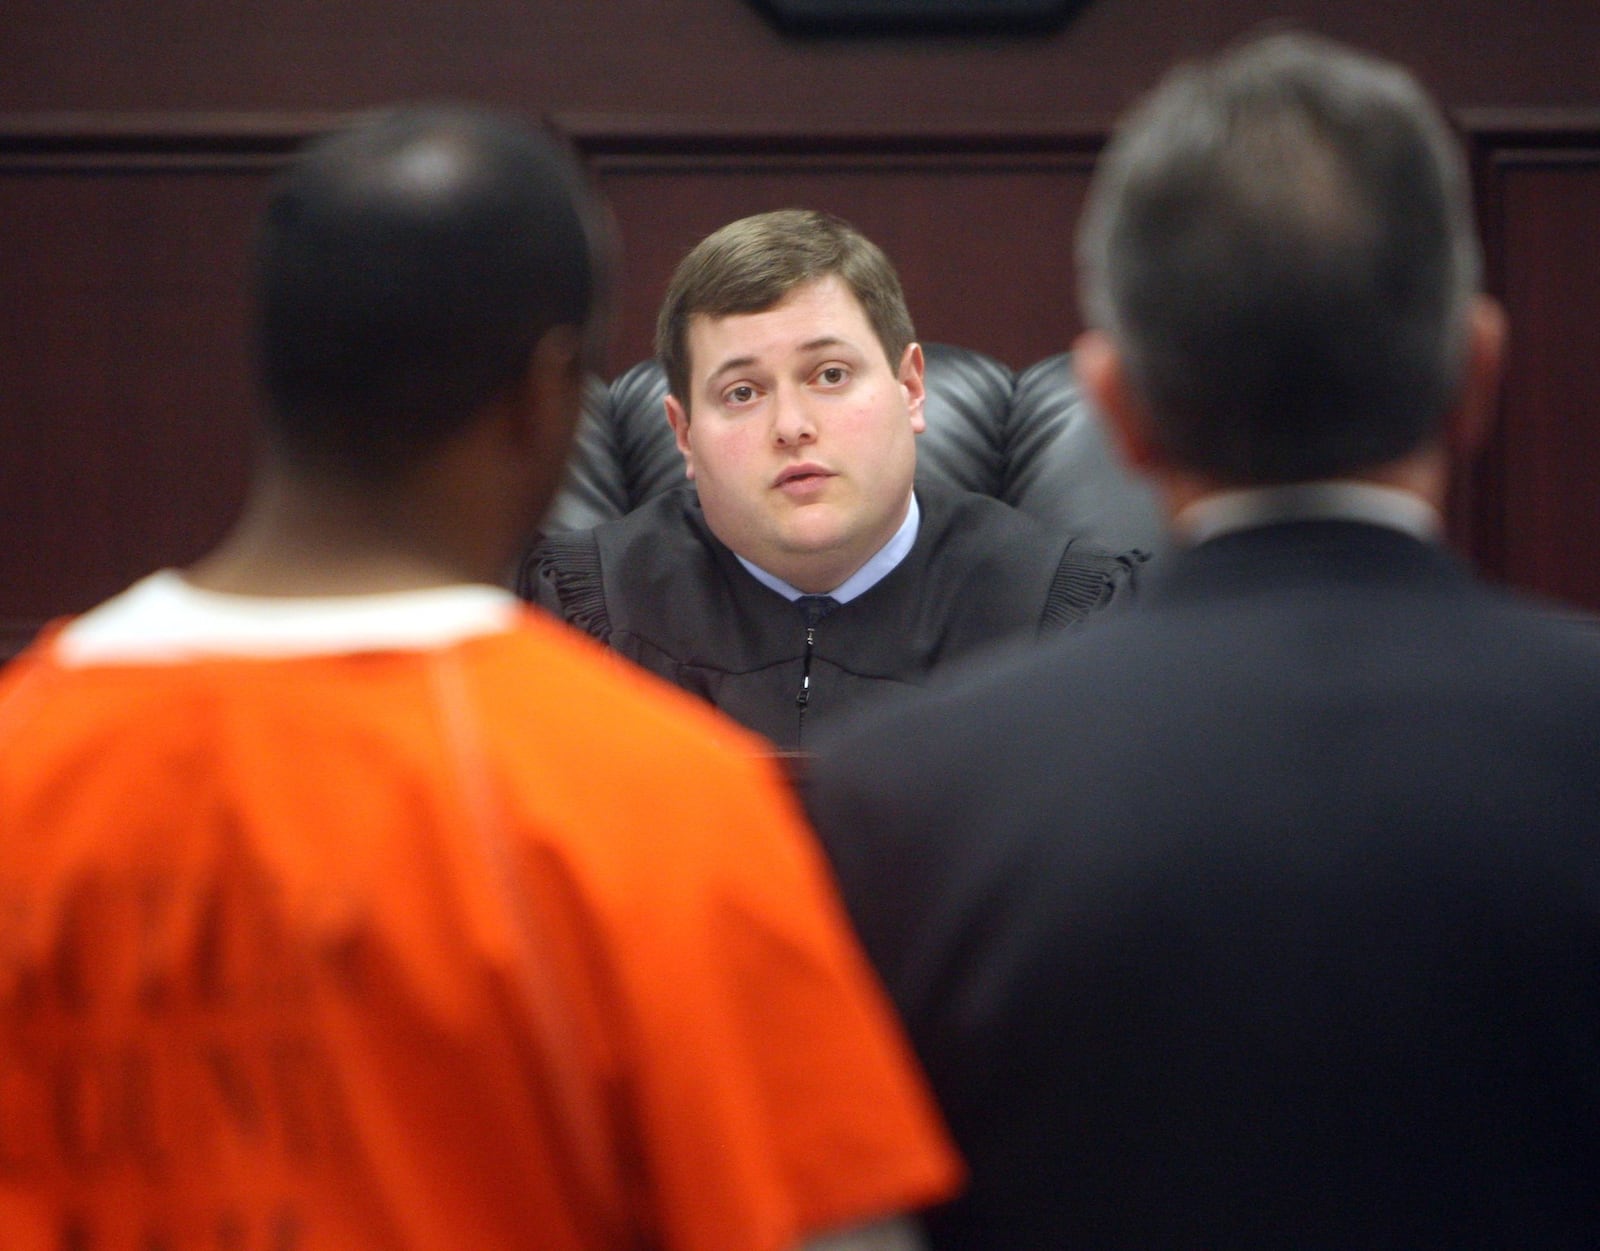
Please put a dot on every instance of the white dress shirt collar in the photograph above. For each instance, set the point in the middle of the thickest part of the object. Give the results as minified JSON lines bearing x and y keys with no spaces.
{"x":878,"y":565}
{"x":1329,"y":500}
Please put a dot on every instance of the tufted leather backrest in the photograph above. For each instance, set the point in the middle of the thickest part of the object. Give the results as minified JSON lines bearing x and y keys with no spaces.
{"x":1027,"y":438}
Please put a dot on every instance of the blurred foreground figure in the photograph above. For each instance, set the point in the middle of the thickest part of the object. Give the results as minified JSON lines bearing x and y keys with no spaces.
{"x":1267,"y":913}
{"x":349,"y":905}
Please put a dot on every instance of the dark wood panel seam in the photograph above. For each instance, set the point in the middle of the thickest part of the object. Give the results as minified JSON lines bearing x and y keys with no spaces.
{"x":1530,"y":127}
{"x":269,"y":135}
{"x":643,"y":135}
{"x":734,"y":163}
{"x":1499,"y":143}
{"x":67,"y":133}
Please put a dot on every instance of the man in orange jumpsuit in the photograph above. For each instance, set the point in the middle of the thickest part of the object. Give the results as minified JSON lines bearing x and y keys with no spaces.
{"x":345,"y":903}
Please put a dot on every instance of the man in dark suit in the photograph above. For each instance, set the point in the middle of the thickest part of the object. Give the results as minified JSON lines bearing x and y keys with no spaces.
{"x":1266,"y":912}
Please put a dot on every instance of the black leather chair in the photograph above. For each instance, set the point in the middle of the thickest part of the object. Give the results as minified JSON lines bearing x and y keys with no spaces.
{"x":1028,"y":438}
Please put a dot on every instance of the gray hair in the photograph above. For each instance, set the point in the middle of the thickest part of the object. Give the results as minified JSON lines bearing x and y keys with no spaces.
{"x":1280,"y":243}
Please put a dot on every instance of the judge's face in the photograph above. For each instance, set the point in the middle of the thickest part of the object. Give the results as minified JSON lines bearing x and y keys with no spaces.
{"x":799,"y":433}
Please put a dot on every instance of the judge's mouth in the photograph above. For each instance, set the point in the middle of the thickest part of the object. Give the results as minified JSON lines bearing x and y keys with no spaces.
{"x":802,"y":477}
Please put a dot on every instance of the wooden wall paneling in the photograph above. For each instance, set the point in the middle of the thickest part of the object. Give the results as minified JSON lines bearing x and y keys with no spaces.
{"x":1533,"y":514}
{"x":125,"y":395}
{"x":125,"y":392}
{"x":979,"y":226}
{"x":720,"y":58}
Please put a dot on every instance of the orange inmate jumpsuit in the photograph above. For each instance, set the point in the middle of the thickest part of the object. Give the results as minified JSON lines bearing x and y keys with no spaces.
{"x":418,"y":921}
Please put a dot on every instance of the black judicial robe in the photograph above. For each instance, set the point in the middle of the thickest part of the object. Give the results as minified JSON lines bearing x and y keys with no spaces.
{"x":661,"y":589}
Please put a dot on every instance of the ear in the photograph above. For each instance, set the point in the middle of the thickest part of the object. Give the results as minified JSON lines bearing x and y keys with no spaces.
{"x":1467,"y":425}
{"x":552,"y":396}
{"x":678,"y":419}
{"x":913,"y":386}
{"x":534,"y":419}
{"x":1100,"y":370}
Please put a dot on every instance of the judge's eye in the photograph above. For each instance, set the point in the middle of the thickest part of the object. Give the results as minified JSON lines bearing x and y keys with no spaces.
{"x":832,"y":376}
{"x":741,"y":394}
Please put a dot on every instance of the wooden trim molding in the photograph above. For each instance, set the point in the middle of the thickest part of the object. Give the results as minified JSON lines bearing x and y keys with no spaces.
{"x":93,"y":138}
{"x":1529,"y":128}
{"x":68,"y":142}
{"x":272,"y":134}
{"x":606,"y":135}
{"x":1499,"y":143}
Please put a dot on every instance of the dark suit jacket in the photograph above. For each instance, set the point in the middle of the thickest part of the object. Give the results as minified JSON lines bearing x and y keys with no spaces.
{"x":1265,"y":913}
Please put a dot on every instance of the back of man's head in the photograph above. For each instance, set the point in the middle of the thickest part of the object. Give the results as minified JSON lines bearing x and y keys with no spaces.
{"x":407,"y":268}
{"x":1280,"y":244}
{"x":751,"y":264}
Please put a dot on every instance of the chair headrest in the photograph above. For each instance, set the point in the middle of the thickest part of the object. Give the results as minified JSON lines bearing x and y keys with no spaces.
{"x":1029,"y":439}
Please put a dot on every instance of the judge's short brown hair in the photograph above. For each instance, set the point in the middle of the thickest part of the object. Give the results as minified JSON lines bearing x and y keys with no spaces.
{"x":751,"y":264}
